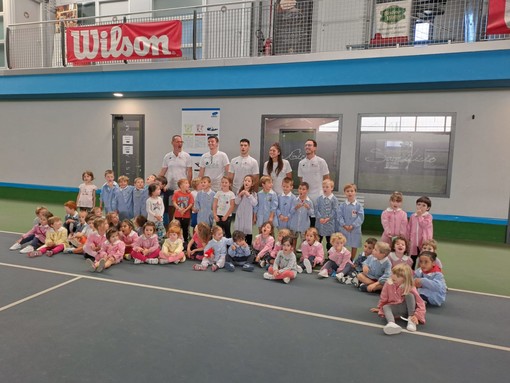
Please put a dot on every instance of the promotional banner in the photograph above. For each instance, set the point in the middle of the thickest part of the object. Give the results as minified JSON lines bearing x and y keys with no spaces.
{"x":498,"y":22}
{"x":198,"y":124}
{"x":129,"y":41}
{"x":393,"y":19}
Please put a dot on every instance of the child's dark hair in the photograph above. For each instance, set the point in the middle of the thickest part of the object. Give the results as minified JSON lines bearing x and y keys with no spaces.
{"x":271,"y":233}
{"x":152,"y":188}
{"x":140,"y":220}
{"x":111,"y":231}
{"x":252,"y":187}
{"x":290,"y":239}
{"x":129,"y":223}
{"x":305,"y":184}
{"x":399,"y":238}
{"x":87,"y":173}
{"x":162,"y":179}
{"x":429,"y":254}
{"x":151,"y":224}
{"x":426,"y":200}
{"x":238,"y":235}
{"x":47,"y":215}
{"x":371,"y":241}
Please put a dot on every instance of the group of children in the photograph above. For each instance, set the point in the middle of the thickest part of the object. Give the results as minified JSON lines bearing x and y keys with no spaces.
{"x":134,"y":229}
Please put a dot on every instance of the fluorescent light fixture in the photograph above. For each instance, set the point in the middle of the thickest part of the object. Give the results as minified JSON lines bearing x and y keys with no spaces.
{"x":118,"y":94}
{"x":330,"y":127}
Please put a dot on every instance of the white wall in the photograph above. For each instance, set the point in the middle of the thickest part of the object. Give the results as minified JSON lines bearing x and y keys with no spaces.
{"x":52,"y":142}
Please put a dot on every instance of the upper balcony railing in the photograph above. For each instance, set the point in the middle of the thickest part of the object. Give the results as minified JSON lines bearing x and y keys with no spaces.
{"x":279,"y":27}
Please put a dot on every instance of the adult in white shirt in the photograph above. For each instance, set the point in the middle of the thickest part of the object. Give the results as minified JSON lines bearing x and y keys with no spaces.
{"x":313,"y":170}
{"x":277,"y":168}
{"x":242,"y":166}
{"x":176,"y":165}
{"x":214,"y":164}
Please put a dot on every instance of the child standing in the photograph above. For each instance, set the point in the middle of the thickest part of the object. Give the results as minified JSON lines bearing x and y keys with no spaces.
{"x":339,"y":258}
{"x":146,"y":247}
{"x":399,"y":252}
{"x":350,"y":218}
{"x":357,"y":267}
{"x":376,"y":269}
{"x":223,"y":206}
{"x":124,"y":198}
{"x":71,"y":219}
{"x":204,"y":202}
{"x":239,"y":253}
{"x":394,"y":219}
{"x":128,"y":235}
{"x":140,"y":195}
{"x":326,"y":207}
{"x":420,"y":227}
{"x":300,"y":220}
{"x":172,"y":250}
{"x":86,"y":198}
{"x":56,"y":239}
{"x":106,"y":199}
{"x":201,"y":236}
{"x":429,"y":280}
{"x":285,"y":267}
{"x":312,"y":250}
{"x":155,"y":210}
{"x":263,"y":245}
{"x":35,"y":237}
{"x":286,"y":204}
{"x":196,"y":186}
{"x":183,"y":203}
{"x":215,"y":251}
{"x":399,"y":298}
{"x":111,"y":253}
{"x":267,"y":203}
{"x":246,"y":201}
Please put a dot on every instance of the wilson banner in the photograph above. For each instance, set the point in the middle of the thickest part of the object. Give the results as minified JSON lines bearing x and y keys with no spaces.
{"x":498,"y":22}
{"x":118,"y":42}
{"x":393,"y":19}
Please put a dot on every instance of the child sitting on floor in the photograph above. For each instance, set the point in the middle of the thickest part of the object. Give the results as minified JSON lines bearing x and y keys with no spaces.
{"x":56,"y":239}
{"x":239,"y":253}
{"x":339,"y":258}
{"x":200,"y":238}
{"x":376,"y":269}
{"x":312,"y":251}
{"x":285,"y":267}
{"x":429,"y":279}
{"x":35,"y":237}
{"x":357,"y":266}
{"x":215,"y":251}
{"x":263,"y":244}
{"x":111,"y":253}
{"x":172,"y":250}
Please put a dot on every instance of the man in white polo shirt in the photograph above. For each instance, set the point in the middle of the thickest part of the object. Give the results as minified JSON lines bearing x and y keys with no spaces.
{"x":242,"y":166}
{"x":176,"y":165}
{"x":313,"y":170}
{"x":214,"y":164}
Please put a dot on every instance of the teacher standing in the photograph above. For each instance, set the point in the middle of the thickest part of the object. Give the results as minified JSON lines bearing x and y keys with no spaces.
{"x":277,"y":168}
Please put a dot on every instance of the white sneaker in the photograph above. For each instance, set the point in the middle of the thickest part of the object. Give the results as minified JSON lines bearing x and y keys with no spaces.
{"x":340,"y":277}
{"x":299,"y":269}
{"x":90,"y":265}
{"x":153,"y":261}
{"x":27,"y":249}
{"x":286,"y":280}
{"x":392,"y":329}
{"x":323,"y":273}
{"x":268,"y":276}
{"x":262,"y":263}
{"x":100,"y":266}
{"x":411,"y":326}
{"x":308,"y":266}
{"x":348,"y":280}
{"x":16,"y":246}
{"x":137,"y":261}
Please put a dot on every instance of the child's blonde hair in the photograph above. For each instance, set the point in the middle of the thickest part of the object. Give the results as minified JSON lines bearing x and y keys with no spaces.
{"x":195,"y":182}
{"x":403,"y":270}
{"x":337,"y":237}
{"x":328,"y":182}
{"x":396,"y":196}
{"x":313,"y":231}
{"x":430,"y":242}
{"x":40,"y":209}
{"x":98,"y":222}
{"x":284,"y":233}
{"x":350,"y":186}
{"x":264,"y":179}
{"x":181,"y":181}
{"x":122,"y":179}
{"x":383,"y":247}
{"x":173,"y":230}
{"x":53,"y":219}
{"x":216,"y":229}
{"x":109,"y":217}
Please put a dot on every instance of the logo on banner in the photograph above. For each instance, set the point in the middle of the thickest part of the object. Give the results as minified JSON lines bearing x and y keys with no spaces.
{"x":393,"y":14}
{"x":124,"y":42}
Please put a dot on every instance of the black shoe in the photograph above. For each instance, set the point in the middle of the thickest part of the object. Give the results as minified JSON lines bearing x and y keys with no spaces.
{"x":363,"y":288}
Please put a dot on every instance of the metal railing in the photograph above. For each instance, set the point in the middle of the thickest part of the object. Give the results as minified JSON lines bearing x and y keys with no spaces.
{"x":269,"y":27}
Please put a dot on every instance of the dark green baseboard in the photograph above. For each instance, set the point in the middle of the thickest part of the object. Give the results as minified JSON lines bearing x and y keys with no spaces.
{"x":449,"y":230}
{"x":38,"y":196}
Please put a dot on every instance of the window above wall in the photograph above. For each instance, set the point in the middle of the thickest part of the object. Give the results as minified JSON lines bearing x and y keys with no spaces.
{"x":411,"y":153}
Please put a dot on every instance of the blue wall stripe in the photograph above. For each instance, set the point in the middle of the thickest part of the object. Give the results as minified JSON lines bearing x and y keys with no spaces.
{"x":439,"y":217}
{"x":482,"y":69}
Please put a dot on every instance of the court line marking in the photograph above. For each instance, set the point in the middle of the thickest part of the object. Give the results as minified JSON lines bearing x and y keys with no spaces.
{"x":6,"y":307}
{"x":261,"y":305}
{"x":449,"y":288}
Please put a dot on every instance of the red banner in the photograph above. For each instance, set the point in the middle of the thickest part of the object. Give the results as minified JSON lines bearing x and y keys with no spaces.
{"x":130,"y":41}
{"x":498,"y":22}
